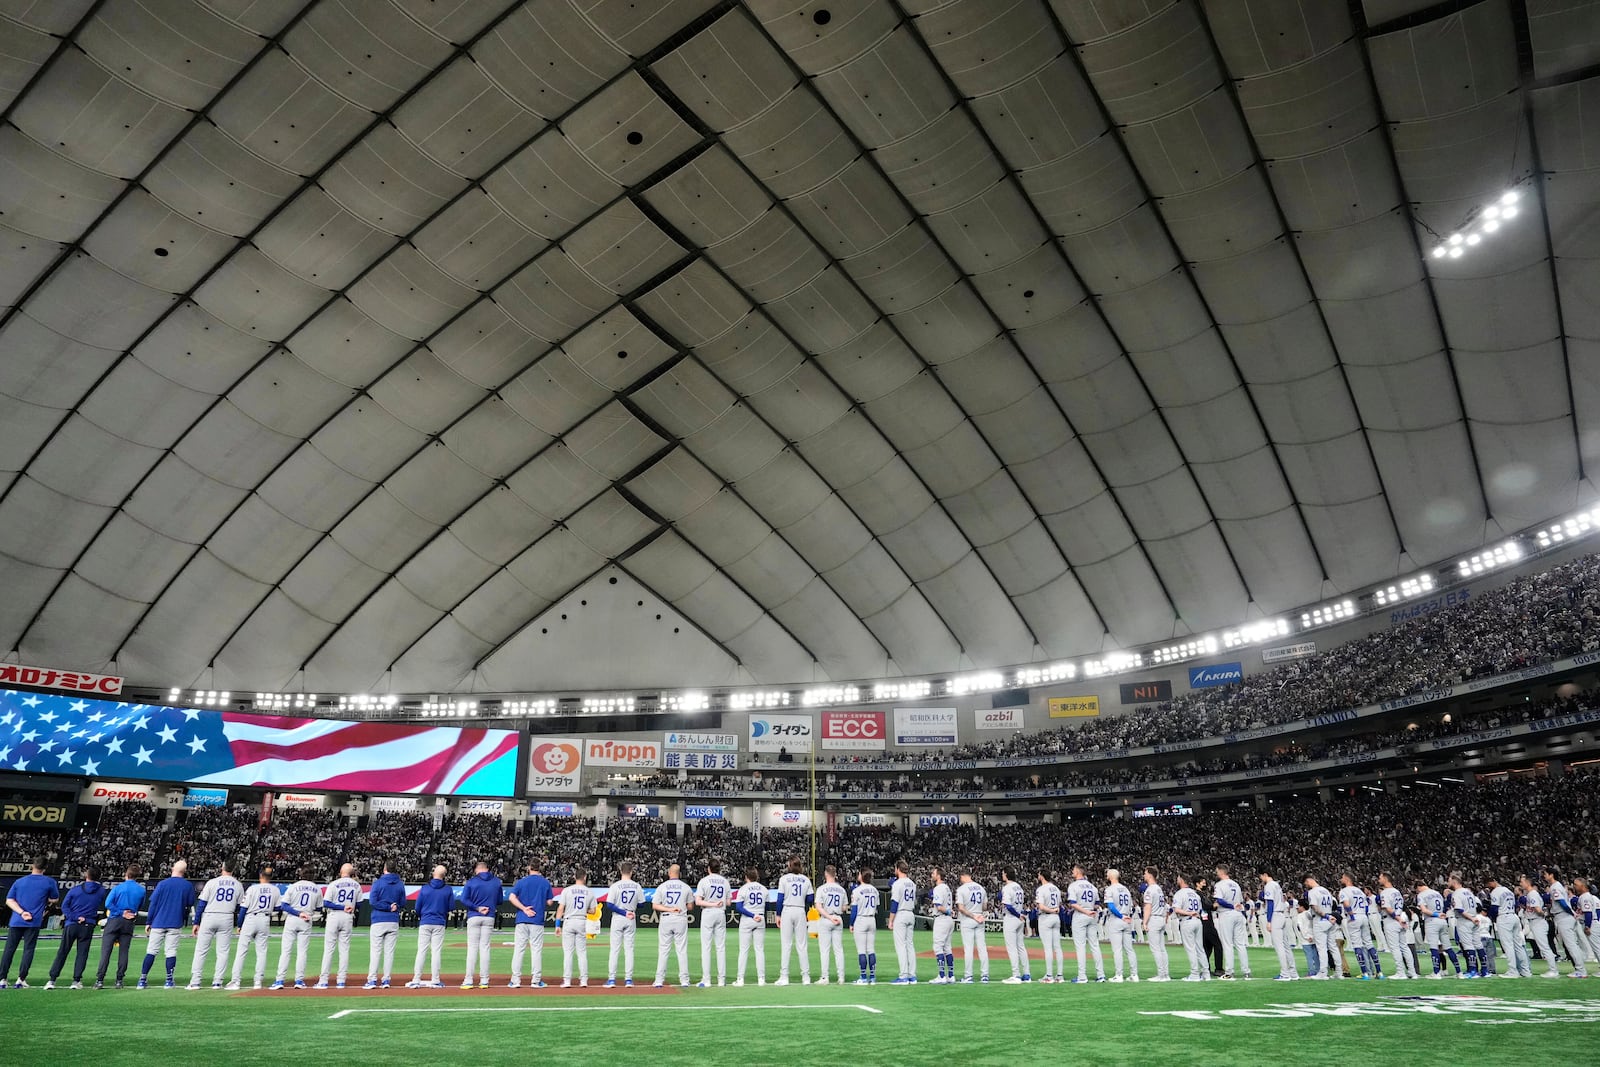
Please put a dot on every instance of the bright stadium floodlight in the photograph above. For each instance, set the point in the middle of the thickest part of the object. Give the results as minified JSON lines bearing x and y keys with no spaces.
{"x":1113,"y":663}
{"x":1255,"y":633}
{"x":830,"y":694}
{"x":1485,"y":222}
{"x":983,"y":681}
{"x":1489,"y":559}
{"x":1028,"y":677}
{"x":1406,"y":590}
{"x":1199,"y":646}
{"x":1574,"y":526}
{"x":1321,"y":616}
{"x":689,"y":700}
{"x":917,"y":690}
{"x":758,"y":699}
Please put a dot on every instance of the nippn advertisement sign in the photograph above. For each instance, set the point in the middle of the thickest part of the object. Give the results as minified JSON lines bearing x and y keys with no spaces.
{"x":622,"y":752}
{"x":858,"y":731}
{"x":769,"y":733}
{"x":555,"y":764}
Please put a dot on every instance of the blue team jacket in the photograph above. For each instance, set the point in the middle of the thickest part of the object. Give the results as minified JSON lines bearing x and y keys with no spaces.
{"x":434,"y":901}
{"x":387,"y":890}
{"x":481,"y":891}
{"x":126,"y":896}
{"x":170,"y":903}
{"x":83,"y":903}
{"x":534,"y":892}
{"x":33,"y":892}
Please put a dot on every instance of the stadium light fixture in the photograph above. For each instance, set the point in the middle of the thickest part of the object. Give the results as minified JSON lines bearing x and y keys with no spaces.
{"x":1028,"y":677}
{"x":1485,"y":222}
{"x":981,"y":682}
{"x":1326,"y":613}
{"x":1580,"y":525}
{"x":1407,"y":589}
{"x":830,"y":694}
{"x":1200,"y":646}
{"x":1255,"y":633}
{"x":1112,"y":663}
{"x":758,"y":699}
{"x":918,"y":690}
{"x":1489,"y":559}
{"x":689,"y":700}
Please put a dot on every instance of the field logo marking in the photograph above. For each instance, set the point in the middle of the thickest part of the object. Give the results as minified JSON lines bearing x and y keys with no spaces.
{"x":609,"y":1007}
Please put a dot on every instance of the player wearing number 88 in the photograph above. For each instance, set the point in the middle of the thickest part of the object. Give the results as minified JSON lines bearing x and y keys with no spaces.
{"x":213,"y":924}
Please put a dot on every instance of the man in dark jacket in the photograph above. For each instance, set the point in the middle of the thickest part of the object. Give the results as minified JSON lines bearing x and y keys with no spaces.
{"x":481,"y":895}
{"x":122,"y":911}
{"x":80,"y":912}
{"x":28,"y":899}
{"x":1208,"y":926}
{"x":386,"y":898}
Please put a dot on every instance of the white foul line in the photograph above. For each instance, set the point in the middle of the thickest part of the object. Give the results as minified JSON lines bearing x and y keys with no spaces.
{"x":610,"y":1007}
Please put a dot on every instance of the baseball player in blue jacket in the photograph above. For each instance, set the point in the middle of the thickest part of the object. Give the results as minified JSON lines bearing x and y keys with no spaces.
{"x":80,"y":912}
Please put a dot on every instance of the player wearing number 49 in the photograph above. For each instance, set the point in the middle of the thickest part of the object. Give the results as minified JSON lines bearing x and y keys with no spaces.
{"x":1082,"y":897}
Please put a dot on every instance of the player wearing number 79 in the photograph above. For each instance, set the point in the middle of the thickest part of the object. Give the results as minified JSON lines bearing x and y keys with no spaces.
{"x":213,"y":923}
{"x":712,"y":895}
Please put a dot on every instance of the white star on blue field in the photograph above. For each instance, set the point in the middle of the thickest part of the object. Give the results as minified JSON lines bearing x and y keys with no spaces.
{"x":48,"y":734}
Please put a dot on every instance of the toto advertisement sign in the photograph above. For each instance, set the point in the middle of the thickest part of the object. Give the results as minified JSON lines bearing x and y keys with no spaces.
{"x":856,"y":731}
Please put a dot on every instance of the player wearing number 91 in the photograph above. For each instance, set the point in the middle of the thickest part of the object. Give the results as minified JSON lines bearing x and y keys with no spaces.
{"x":213,"y":923}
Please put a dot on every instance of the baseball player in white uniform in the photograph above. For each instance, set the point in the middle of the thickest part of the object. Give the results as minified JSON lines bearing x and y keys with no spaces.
{"x":259,"y":902}
{"x":299,"y":904}
{"x":1464,"y":915}
{"x":1535,"y":911}
{"x":341,"y":901}
{"x":1588,"y":914}
{"x":1392,"y":906}
{"x":219,"y":901}
{"x":712,"y":896}
{"x":1155,"y":923}
{"x":1358,"y":927}
{"x":970,"y":901}
{"x":1047,"y":902}
{"x":751,"y":904}
{"x":1508,"y":930}
{"x":1566,"y":921}
{"x":572,"y":915}
{"x":942,"y":901}
{"x":1436,"y":929}
{"x":1082,"y":898}
{"x":831,"y":907}
{"x":1119,"y":927}
{"x":864,"y":927}
{"x":903,"y":919}
{"x":622,"y":901}
{"x":1322,"y":906}
{"x":1186,"y":905}
{"x":1012,"y":903}
{"x":793,"y":900}
{"x":671,"y":902}
{"x":1230,"y":924}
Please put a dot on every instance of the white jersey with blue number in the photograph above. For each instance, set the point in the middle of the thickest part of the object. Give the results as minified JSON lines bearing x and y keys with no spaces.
{"x":1047,"y":898}
{"x":626,"y":895}
{"x":261,"y":899}
{"x":972,"y":897}
{"x":714,"y":888}
{"x":794,"y":888}
{"x":1084,"y":893}
{"x":1117,"y":895}
{"x":343,"y":893}
{"x":303,"y":898}
{"x":831,"y":899}
{"x":222,"y":895}
{"x":904,"y":894}
{"x":864,"y":898}
{"x":1156,"y":898}
{"x":943,"y":900}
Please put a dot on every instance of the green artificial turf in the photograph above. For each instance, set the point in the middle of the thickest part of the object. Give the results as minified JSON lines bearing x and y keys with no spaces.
{"x":1493,"y":1021}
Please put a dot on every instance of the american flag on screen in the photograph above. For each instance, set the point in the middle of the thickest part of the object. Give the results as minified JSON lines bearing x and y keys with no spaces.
{"x":48,"y":734}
